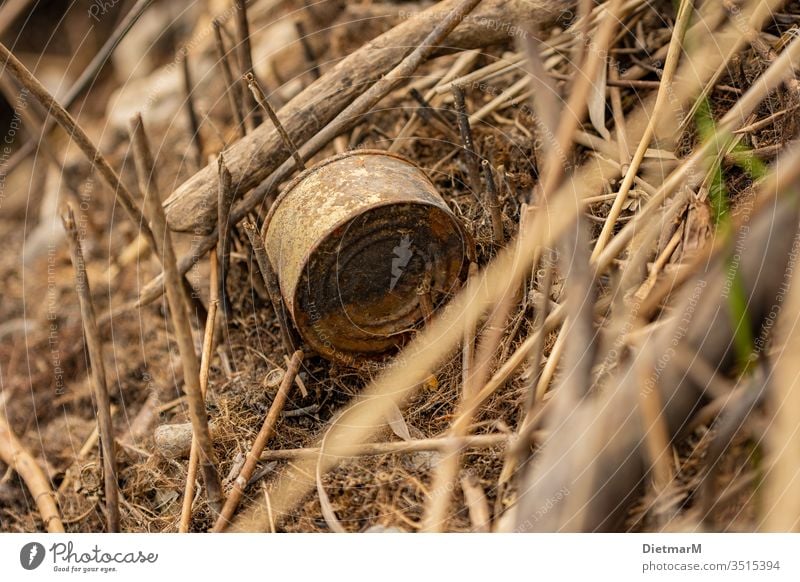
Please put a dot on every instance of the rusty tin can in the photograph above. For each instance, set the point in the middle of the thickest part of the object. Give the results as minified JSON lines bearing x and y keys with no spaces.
{"x":357,"y":243}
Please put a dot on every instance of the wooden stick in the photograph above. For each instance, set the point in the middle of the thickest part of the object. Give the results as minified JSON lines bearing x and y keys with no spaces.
{"x":16,"y":456}
{"x":467,"y":144}
{"x":98,"y":375}
{"x":232,"y":89}
{"x":428,"y":114}
{"x":262,"y":100}
{"x":468,"y":343}
{"x":493,"y":204}
{"x":470,"y":442}
{"x":224,"y":204}
{"x":618,"y":112}
{"x":205,"y":364}
{"x":194,"y":124}
{"x":178,"y":305}
{"x":266,"y":432}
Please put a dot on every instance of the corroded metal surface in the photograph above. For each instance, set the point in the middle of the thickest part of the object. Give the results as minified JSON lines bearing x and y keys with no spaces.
{"x":354,"y":241}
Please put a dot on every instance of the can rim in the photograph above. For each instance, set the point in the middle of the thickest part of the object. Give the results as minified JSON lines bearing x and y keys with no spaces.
{"x":308,"y":171}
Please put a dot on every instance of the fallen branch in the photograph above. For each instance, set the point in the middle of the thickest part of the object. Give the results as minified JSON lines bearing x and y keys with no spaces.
{"x":253,"y":158}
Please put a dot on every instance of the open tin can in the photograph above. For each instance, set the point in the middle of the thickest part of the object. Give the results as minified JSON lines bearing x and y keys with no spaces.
{"x":361,"y":243}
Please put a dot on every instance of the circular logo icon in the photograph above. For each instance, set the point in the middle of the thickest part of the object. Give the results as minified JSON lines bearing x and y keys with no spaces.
{"x":31,"y":555}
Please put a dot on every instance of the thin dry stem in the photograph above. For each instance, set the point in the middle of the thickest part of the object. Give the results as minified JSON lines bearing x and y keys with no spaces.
{"x":98,"y":374}
{"x":179,"y":305}
{"x":205,"y":365}
{"x":266,"y":432}
{"x":233,"y":90}
{"x":262,"y":100}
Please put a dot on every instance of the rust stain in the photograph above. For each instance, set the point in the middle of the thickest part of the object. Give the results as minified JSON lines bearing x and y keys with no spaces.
{"x":352,"y":240}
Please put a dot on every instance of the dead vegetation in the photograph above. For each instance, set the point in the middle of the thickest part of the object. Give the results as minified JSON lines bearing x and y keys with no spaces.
{"x":619,"y":359}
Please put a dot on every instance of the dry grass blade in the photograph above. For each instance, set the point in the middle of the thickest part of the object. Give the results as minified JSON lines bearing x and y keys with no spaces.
{"x":662,"y":99}
{"x":98,"y":374}
{"x":686,"y":175}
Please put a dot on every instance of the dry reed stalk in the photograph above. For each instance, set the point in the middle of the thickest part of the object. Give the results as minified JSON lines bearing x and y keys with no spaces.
{"x":618,"y":466}
{"x":468,"y":344}
{"x":191,"y":113}
{"x":245,"y":53}
{"x":266,"y":432}
{"x":477,"y":505}
{"x":16,"y":456}
{"x":205,"y":365}
{"x":98,"y":374}
{"x":492,"y":202}
{"x":261,"y":100}
{"x":686,"y":174}
{"x":179,"y":306}
{"x":463,"y":62}
{"x":225,"y":197}
{"x":467,"y":143}
{"x":232,"y":89}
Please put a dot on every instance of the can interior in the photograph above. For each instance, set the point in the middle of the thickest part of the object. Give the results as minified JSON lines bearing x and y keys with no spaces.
{"x":360,"y":288}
